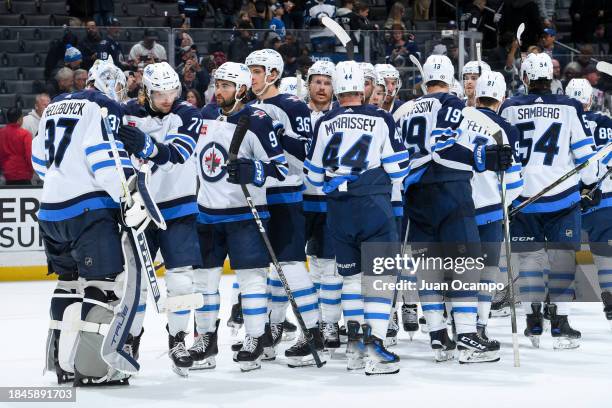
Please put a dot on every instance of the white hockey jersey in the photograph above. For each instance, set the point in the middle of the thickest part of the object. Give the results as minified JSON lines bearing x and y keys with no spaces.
{"x":356,"y":150}
{"x":173,"y":180}
{"x":218,"y":200}
{"x":294,"y":116}
{"x":485,"y":185}
{"x":314,"y":197}
{"x":553,"y":139}
{"x":601,"y":127}
{"x":72,"y":154}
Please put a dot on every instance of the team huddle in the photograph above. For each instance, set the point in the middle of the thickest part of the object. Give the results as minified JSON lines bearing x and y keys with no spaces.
{"x":270,"y":179}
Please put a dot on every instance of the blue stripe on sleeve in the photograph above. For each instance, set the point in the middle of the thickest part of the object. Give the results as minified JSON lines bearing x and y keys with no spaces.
{"x":395,"y":158}
{"x":313,"y":168}
{"x":583,"y":142}
{"x":109,"y":163}
{"x":38,"y":161}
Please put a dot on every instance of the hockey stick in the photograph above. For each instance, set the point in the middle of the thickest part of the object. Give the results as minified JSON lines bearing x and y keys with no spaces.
{"x":342,"y":35}
{"x":599,"y":182}
{"x":237,"y":138}
{"x":519,"y":33}
{"x":169,"y":304}
{"x":417,"y":64}
{"x":403,"y":110}
{"x":604,"y":151}
{"x":474,"y":115}
{"x":604,"y":67}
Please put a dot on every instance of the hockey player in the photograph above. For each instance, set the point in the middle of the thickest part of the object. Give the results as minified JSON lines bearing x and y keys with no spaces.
{"x":488,"y":94}
{"x":438,"y":202}
{"x":79,"y":206}
{"x":393,"y":83}
{"x":356,"y":165}
{"x":164,"y":130}
{"x":369,"y":73}
{"x":553,"y":139}
{"x":284,"y":198}
{"x":597,"y":205}
{"x":378,"y":93}
{"x":225,"y":222}
{"x":471,"y":72}
{"x":294,"y":86}
{"x":319,"y":247}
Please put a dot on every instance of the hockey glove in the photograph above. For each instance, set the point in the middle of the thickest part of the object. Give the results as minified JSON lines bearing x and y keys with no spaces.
{"x":246,"y":171}
{"x":590,"y":196}
{"x":137,"y":142}
{"x":135,"y":213}
{"x":492,"y":157}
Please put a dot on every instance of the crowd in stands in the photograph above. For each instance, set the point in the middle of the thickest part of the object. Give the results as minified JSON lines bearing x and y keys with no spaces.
{"x":257,"y":24}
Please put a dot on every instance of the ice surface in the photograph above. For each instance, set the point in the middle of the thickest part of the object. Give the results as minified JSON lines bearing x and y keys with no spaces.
{"x":547,"y":378}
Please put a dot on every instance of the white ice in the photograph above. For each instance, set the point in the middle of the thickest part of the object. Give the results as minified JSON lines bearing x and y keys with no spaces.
{"x":547,"y":378}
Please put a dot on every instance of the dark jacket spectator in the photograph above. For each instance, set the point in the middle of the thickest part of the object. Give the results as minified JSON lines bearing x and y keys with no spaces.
{"x":16,"y":150}
{"x":57,"y":51}
{"x":189,"y":80}
{"x":242,"y":44}
{"x":110,"y":47}
{"x":90,"y":44}
{"x":400,"y":46}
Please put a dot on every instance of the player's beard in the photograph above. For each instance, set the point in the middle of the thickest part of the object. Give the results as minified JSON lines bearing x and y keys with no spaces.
{"x":225,"y":104}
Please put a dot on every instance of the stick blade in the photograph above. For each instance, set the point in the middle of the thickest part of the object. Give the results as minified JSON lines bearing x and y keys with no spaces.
{"x":403,"y":110}
{"x":338,"y":31}
{"x":604,"y":67}
{"x":493,"y":129}
{"x":241,"y":128}
{"x":519,"y":33}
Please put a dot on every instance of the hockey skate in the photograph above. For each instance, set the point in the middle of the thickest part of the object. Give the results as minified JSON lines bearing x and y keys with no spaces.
{"x":133,"y":343}
{"x":534,"y":328}
{"x":343,"y":334}
{"x":355,"y":349}
{"x":275,"y":336}
{"x":410,"y":319}
{"x":379,"y":360}
{"x":236,"y":319}
{"x":423,"y":325}
{"x":475,"y":349}
{"x":249,"y":356}
{"x":500,"y":306}
{"x":299,"y":354}
{"x":391,"y":339}
{"x":606,"y":298}
{"x":204,"y":350}
{"x":289,"y":330}
{"x":331,"y":336}
{"x":181,"y":359}
{"x":564,"y":336}
{"x":442,"y":345}
{"x":546,"y":315}
{"x":267,"y":341}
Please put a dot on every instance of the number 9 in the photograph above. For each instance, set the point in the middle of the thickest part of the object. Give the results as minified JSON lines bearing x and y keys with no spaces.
{"x":273,"y":140}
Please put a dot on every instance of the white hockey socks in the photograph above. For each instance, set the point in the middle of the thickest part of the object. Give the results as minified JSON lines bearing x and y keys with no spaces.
{"x":352,"y":300}
{"x":331,"y":290}
{"x":303,"y":290}
{"x":254,"y":299}
{"x":206,"y":282}
{"x":179,"y":281}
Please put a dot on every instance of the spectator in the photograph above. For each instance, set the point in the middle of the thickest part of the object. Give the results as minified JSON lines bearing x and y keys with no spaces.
{"x":30,"y":122}
{"x":110,"y":46}
{"x":276,"y":23}
{"x":57,"y":51}
{"x":571,"y":71}
{"x":346,"y":17}
{"x":548,"y":46}
{"x":193,"y":11}
{"x":89,"y":44}
{"x":134,"y":83}
{"x":556,"y":86}
{"x":225,"y":12}
{"x":593,"y":76}
{"x":294,"y":14}
{"x":16,"y":150}
{"x":190,"y":81}
{"x":363,"y":10}
{"x":322,"y":39}
{"x":103,"y":12}
{"x":421,"y":10}
{"x":80,"y":79}
{"x":586,"y":53}
{"x":62,"y":83}
{"x":72,"y":57}
{"x":193,"y":97}
{"x":242,"y":44}
{"x":396,"y":17}
{"x":148,"y":50}
{"x":400,"y":47}
{"x":258,"y":12}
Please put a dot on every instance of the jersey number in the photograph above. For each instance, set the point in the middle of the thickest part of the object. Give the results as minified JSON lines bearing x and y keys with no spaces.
{"x":547,"y":143}
{"x":56,"y":155}
{"x":355,"y":157}
{"x":303,"y":124}
{"x":414,"y":133}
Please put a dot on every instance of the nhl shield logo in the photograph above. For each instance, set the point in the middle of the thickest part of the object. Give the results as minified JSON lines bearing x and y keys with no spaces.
{"x":212,"y":162}
{"x":88,"y":261}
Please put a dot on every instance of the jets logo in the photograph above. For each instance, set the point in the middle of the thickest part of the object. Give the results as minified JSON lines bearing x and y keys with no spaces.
{"x":259,"y":113}
{"x":212,"y":162}
{"x":293,"y":97}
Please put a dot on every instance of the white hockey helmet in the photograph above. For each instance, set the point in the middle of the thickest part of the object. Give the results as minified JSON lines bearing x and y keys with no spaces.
{"x":348,"y":77}
{"x":293,"y":86}
{"x":388,"y":71}
{"x":491,"y":84}
{"x":439,"y":68}
{"x":368,"y":70}
{"x":473,"y":67}
{"x":267,"y":58}
{"x":538,"y":66}
{"x":580,"y":89}
{"x":161,"y":77}
{"x":106,"y":77}
{"x":326,"y":68}
{"x":234,"y":72}
{"x":457,"y":89}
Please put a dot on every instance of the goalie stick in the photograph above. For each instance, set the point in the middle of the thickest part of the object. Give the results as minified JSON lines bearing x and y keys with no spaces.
{"x":493,"y":129}
{"x":237,"y":138}
{"x":603,"y":152}
{"x":341,"y":35}
{"x":162,"y":305}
